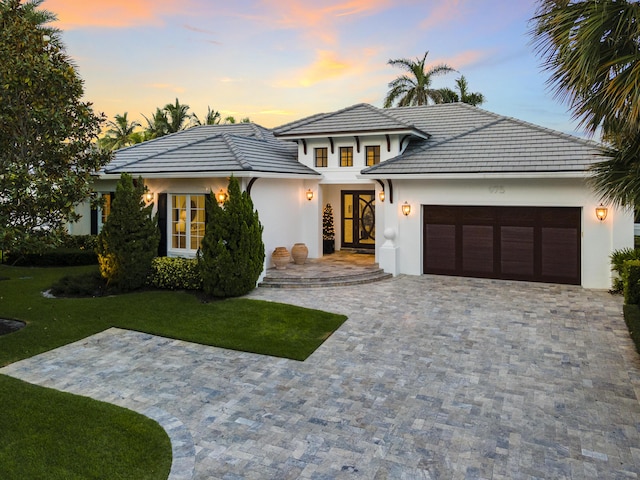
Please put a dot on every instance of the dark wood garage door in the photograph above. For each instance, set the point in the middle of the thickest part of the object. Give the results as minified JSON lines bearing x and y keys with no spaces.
{"x":540,"y":244}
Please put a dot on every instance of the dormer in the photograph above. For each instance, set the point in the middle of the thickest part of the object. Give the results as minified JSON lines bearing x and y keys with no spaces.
{"x":349,"y":140}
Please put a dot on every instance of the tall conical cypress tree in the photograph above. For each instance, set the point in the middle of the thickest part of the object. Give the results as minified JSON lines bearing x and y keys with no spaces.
{"x":232,"y":251}
{"x":129,"y":238}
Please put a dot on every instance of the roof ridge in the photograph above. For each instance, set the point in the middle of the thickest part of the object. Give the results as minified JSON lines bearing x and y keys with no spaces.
{"x":317,"y":117}
{"x":236,"y":151}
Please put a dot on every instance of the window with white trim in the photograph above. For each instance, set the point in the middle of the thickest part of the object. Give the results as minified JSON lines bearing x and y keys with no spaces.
{"x":187,"y":222}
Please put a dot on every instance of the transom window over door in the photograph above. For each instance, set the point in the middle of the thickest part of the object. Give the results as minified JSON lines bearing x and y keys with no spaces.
{"x":187,"y":221}
{"x":346,"y":156}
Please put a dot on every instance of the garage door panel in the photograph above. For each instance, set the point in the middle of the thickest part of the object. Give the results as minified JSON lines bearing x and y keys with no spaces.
{"x":559,"y":252}
{"x":521,"y":243}
{"x":477,"y":249}
{"x":517,"y":251}
{"x":440,"y":251}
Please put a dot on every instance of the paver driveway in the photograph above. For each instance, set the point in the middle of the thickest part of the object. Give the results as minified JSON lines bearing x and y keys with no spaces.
{"x":430,"y":377}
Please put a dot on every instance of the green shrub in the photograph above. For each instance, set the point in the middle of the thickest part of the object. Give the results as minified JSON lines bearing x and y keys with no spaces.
{"x":632,"y":319}
{"x":232,"y":249}
{"x":129,"y":238}
{"x":84,"y":285}
{"x":80,"y":242}
{"x":631,"y":282}
{"x":175,"y":273}
{"x":58,"y":257}
{"x":618,"y":257}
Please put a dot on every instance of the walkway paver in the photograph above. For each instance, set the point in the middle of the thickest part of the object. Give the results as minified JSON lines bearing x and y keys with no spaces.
{"x":430,"y":377}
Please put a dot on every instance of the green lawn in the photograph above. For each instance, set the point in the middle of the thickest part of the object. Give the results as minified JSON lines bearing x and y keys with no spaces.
{"x":55,"y":435}
{"x":47,"y":434}
{"x":249,"y":325}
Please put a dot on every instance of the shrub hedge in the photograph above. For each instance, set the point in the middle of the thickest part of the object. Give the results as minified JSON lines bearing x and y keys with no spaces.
{"x":632,"y":319}
{"x":631,"y":282}
{"x":59,"y":257}
{"x":175,"y":273}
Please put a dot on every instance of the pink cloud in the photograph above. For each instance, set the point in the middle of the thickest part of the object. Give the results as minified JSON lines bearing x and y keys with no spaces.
{"x":112,"y":13}
{"x":443,"y":13}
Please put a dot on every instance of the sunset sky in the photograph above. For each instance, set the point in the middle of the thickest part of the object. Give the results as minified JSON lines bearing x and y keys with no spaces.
{"x":279,"y":60}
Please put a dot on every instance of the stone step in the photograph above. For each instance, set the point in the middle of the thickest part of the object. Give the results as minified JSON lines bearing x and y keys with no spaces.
{"x":368,"y":276}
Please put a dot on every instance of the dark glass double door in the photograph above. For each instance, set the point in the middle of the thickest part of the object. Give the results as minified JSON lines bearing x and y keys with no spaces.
{"x":358,"y":219}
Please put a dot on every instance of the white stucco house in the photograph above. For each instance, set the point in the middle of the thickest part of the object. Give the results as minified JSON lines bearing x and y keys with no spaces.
{"x":444,"y":189}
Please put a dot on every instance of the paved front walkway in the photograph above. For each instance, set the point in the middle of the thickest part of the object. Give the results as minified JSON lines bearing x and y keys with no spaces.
{"x":431,"y":377}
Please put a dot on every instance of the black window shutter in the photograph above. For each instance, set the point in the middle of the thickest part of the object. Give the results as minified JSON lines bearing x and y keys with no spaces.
{"x":94,"y":221}
{"x":162,"y":224}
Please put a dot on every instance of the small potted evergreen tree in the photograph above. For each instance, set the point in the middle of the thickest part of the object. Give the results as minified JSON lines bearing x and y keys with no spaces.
{"x":328,"y":232}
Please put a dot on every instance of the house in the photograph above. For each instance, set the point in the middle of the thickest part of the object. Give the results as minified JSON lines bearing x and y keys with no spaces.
{"x":444,"y":189}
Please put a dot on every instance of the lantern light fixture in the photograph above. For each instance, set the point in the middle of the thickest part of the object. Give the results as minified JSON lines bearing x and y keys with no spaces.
{"x":221,"y":196}
{"x":309,"y":194}
{"x":406,"y":209}
{"x":381,"y":195}
{"x":601,"y":212}
{"x":148,"y":196}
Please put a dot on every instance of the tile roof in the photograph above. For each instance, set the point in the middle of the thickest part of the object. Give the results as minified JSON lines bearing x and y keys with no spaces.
{"x":356,"y":119}
{"x":467,"y":139}
{"x":210,"y":149}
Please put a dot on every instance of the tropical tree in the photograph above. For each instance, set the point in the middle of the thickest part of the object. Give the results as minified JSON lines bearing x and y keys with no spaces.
{"x":120,"y":134}
{"x":462,"y":95}
{"x":157,"y":126}
{"x":213,"y":118}
{"x":414,"y":88}
{"x":47,"y":133}
{"x":591,"y":49}
{"x":177,"y":116}
{"x":39,"y":17}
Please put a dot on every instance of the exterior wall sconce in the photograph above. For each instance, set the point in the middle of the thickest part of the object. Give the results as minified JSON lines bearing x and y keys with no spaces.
{"x":221,"y":197}
{"x":601,"y":212}
{"x":148,"y":197}
{"x":406,"y":209}
{"x":381,"y":195}
{"x":309,"y":195}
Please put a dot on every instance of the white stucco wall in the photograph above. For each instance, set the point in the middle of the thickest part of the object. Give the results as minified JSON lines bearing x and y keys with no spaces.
{"x":599,"y":239}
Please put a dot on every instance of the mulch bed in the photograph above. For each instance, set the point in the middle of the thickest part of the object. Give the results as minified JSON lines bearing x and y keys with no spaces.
{"x":10,"y":326}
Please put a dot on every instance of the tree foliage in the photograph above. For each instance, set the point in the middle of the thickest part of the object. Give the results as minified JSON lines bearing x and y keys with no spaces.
{"x":232,"y":251}
{"x":129,"y":238}
{"x":415,"y":88}
{"x":121,"y":133}
{"x":462,"y":94}
{"x":591,"y":49}
{"x":46,"y":132}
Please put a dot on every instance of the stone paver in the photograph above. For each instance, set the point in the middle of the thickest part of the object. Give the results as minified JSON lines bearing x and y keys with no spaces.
{"x":429,"y":378}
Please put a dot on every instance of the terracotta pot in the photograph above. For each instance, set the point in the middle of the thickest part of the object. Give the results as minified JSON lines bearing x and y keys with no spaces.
{"x":299,"y":252}
{"x":280,"y":258}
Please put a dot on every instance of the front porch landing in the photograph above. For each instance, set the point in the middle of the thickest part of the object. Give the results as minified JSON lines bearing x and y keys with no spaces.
{"x":333,"y":270}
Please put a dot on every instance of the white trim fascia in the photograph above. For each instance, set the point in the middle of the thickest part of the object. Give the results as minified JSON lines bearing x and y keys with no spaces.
{"x":472,"y":176}
{"x":363,"y":133}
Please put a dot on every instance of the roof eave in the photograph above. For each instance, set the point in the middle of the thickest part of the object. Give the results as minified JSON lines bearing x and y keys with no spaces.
{"x":352,"y":133}
{"x":474,"y":175}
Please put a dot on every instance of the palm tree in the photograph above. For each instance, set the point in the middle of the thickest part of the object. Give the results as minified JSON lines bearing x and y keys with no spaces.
{"x":475,"y":98}
{"x":213,"y":118}
{"x":157,"y":126}
{"x":415,"y":88}
{"x":177,"y":116}
{"x":120,"y":134}
{"x":462,"y":95}
{"x":592,"y":50}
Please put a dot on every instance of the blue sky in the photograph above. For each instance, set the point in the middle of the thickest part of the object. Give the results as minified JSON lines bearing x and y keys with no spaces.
{"x":279,"y":60}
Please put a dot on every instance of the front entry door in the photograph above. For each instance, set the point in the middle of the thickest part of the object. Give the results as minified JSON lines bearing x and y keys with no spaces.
{"x":358,"y":219}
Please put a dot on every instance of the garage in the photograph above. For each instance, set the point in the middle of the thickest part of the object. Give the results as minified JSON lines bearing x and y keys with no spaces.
{"x":539,"y":244}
